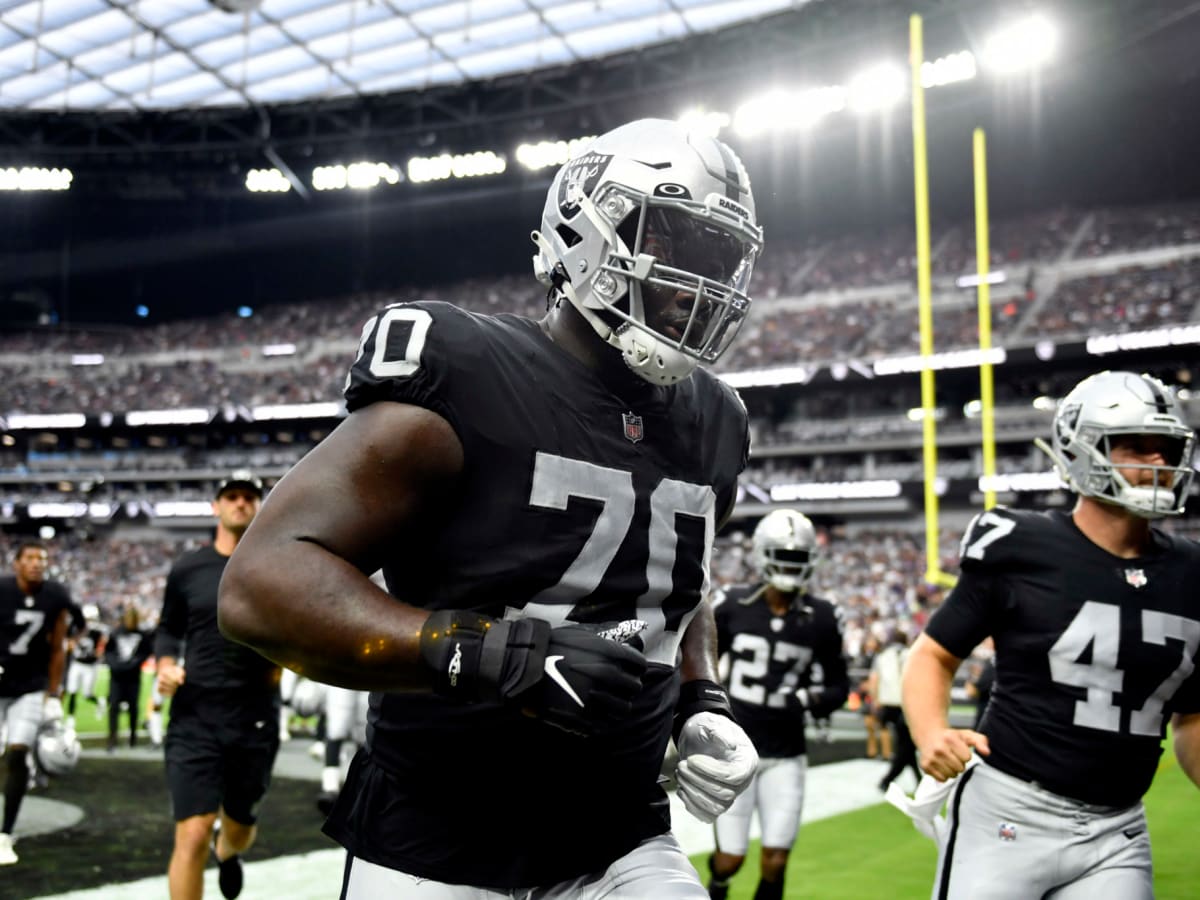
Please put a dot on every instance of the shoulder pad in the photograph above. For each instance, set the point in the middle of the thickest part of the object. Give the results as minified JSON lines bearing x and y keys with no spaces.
{"x":406,"y":351}
{"x":1002,"y":537}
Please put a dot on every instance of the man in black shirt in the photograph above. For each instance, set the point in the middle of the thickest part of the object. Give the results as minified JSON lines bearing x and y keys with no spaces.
{"x":223,"y":733}
{"x":785,"y":659}
{"x":1097,"y":630}
{"x":34,"y":615}
{"x":542,"y":497}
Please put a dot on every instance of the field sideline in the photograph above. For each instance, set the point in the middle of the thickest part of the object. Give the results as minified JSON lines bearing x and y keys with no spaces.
{"x":852,"y":845}
{"x":870,"y":851}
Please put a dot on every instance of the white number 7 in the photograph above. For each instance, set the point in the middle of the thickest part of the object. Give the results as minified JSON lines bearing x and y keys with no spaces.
{"x":1000,"y":526}
{"x":32,"y":619}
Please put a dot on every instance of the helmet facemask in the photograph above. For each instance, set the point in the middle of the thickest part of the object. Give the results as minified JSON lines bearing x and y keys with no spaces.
{"x":789,"y":571}
{"x":1164,"y":493}
{"x":785,"y":551}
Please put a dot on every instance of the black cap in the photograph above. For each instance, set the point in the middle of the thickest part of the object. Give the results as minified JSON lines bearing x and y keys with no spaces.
{"x":242,"y":478}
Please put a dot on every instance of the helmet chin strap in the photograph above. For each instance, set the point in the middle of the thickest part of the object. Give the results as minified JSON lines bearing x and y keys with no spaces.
{"x":1060,"y":465}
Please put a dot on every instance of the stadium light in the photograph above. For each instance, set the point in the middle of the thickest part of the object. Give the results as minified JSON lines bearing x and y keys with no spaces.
{"x":705,"y":122}
{"x":781,"y":109}
{"x":949,"y":69}
{"x":877,"y":88}
{"x":23,"y":422}
{"x":35,"y":178}
{"x":1026,"y":44}
{"x":973,"y":281}
{"x":544,"y":154}
{"x":836,"y":490}
{"x":463,"y":165}
{"x":1022,"y":481}
{"x":356,"y":176}
{"x":953,"y":359}
{"x":196,"y":415}
{"x":1179,"y":335}
{"x":87,"y":359}
{"x":770,"y":377}
{"x":262,"y":181}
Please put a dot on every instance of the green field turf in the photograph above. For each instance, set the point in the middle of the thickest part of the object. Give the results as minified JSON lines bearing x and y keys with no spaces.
{"x":876,"y":852}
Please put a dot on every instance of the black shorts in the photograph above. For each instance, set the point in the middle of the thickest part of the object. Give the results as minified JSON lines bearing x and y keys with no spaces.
{"x":220,"y":750}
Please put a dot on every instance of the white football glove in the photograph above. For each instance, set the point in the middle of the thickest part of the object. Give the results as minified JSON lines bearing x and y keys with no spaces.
{"x":716,"y":763}
{"x":52,"y":710}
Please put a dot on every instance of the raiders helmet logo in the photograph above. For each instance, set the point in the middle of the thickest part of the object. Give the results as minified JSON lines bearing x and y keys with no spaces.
{"x":579,"y":178}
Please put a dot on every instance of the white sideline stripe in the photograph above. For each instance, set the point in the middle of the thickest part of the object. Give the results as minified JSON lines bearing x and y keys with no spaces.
{"x":830,"y":790}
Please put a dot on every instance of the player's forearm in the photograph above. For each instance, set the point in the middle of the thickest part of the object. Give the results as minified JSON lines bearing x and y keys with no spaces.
{"x":926,"y":694}
{"x":1187,"y":744}
{"x":304,"y":607}
{"x":58,"y":657}
{"x":699,"y":647}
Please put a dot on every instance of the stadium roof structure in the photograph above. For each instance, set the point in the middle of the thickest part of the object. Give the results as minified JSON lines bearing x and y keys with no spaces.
{"x":143,"y":55}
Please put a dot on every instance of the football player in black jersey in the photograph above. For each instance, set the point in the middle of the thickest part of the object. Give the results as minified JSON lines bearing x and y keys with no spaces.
{"x":785,"y":658}
{"x":86,"y":648}
{"x":542,"y":497}
{"x":223,"y":732}
{"x":1096,"y":629}
{"x":34,"y":615}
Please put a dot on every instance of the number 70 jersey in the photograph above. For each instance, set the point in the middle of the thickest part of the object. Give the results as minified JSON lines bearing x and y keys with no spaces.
{"x":1093,"y":652}
{"x":576,"y":503}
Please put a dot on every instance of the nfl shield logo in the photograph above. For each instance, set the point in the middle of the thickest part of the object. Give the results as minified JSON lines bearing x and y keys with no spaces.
{"x":1136,"y":577}
{"x":1008,"y":831}
{"x":633,"y":426}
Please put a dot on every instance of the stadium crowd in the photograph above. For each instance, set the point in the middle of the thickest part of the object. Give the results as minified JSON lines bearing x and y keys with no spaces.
{"x":808,"y":313}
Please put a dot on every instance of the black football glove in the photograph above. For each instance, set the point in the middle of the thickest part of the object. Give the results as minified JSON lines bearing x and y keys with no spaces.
{"x":571,"y":677}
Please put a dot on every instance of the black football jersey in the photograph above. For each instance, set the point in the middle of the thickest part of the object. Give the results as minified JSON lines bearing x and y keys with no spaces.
{"x":26,"y":625}
{"x":87,"y":645}
{"x":1093,"y":652}
{"x":770,"y":657}
{"x":189,"y":623}
{"x":576,"y":503}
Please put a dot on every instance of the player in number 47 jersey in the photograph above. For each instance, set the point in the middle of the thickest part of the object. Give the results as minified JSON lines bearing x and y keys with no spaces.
{"x":1097,"y":629}
{"x":785,"y":658}
{"x":542,"y":498}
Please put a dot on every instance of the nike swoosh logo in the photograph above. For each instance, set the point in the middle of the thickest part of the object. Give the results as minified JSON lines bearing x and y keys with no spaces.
{"x":557,"y":677}
{"x":1131,"y":833}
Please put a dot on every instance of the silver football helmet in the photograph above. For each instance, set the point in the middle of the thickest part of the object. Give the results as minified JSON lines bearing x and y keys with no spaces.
{"x":308,"y":698}
{"x":57,"y":749}
{"x":1106,"y":406}
{"x":650,"y":232}
{"x":785,"y":551}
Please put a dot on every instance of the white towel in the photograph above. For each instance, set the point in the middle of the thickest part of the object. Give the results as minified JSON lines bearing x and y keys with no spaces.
{"x":924,"y":807}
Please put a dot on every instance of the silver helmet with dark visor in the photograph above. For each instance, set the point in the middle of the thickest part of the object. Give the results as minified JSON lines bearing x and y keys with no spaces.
{"x":650,"y":233}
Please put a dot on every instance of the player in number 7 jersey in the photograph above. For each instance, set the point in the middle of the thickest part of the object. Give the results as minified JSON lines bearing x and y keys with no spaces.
{"x":1096,"y":633}
{"x":542,"y":498}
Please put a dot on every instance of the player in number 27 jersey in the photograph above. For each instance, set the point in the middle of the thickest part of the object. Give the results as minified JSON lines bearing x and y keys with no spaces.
{"x":784,"y":648}
{"x":1097,"y":631}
